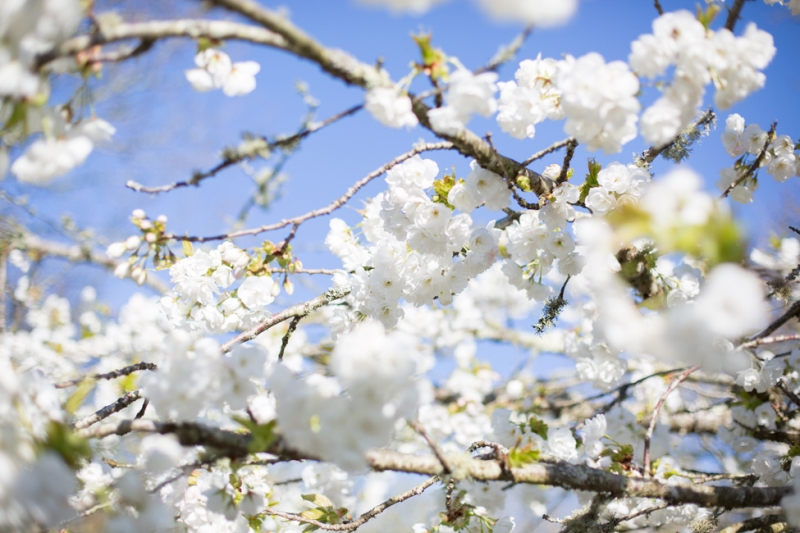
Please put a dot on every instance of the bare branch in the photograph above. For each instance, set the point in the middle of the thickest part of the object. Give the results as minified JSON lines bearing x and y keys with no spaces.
{"x":654,"y":417}
{"x":550,"y":149}
{"x":108,"y":375}
{"x":108,"y":410}
{"x":760,"y":523}
{"x":506,"y":53}
{"x":658,"y":7}
{"x":734,"y":14}
{"x":364,"y":518}
{"x":768,"y":340}
{"x":299,"y":310}
{"x":270,"y":145}
{"x":792,"y":312}
{"x":338,"y":63}
{"x":333,"y":206}
{"x":161,"y":29}
{"x":437,"y":451}
{"x":567,"y":160}
{"x":345,"y":67}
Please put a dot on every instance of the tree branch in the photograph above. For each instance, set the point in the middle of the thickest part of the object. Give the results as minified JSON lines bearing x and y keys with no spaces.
{"x":733,"y":14}
{"x":299,"y":310}
{"x":230,"y":161}
{"x":345,"y":67}
{"x":654,"y":418}
{"x":161,"y":29}
{"x":333,"y":206}
{"x":108,"y":375}
{"x":557,"y":474}
{"x":364,"y":518}
{"x":792,"y":312}
{"x":108,"y":410}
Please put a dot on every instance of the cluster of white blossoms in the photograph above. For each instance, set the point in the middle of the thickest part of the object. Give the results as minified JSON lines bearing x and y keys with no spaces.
{"x":390,"y":107}
{"x":599,"y":101}
{"x":413,"y":241}
{"x":467,"y":94}
{"x":26,"y":30}
{"x":215,"y":70}
{"x":700,"y":56}
{"x":374,"y":384}
{"x":33,"y":486}
{"x":530,"y":99}
{"x":214,"y":377}
{"x":204,"y":298}
{"x":539,"y":239}
{"x":619,"y":185}
{"x":729,"y":304}
{"x":63,"y":147}
{"x":777,"y":155}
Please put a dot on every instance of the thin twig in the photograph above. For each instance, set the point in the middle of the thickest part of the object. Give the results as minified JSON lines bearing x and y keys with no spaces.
{"x":108,"y":410}
{"x":769,"y":340}
{"x":270,"y":145}
{"x":5,"y":250}
{"x":792,"y":312}
{"x":567,"y":161}
{"x":299,"y":310}
{"x":437,"y":451}
{"x":122,"y":53}
{"x":752,"y":168}
{"x":733,"y":14}
{"x":658,"y":7}
{"x":361,"y":520}
{"x":649,"y":155}
{"x":506,"y":53}
{"x":285,"y":340}
{"x":622,"y":390}
{"x":789,"y":393}
{"x":310,"y":271}
{"x":654,"y":420}
{"x":153,"y":30}
{"x":758,"y":523}
{"x":108,"y":375}
{"x":549,"y":150}
{"x":333,"y":206}
{"x":142,"y":411}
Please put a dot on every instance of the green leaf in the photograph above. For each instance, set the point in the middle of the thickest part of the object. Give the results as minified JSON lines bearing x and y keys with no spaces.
{"x":519,"y":457}
{"x":434,"y":61}
{"x":188,"y":249}
{"x":441,"y":189}
{"x":314,"y":514}
{"x":262,"y":435}
{"x":538,"y":427}
{"x":591,"y":179}
{"x":319,"y":500}
{"x":61,"y":439}
{"x":707,"y":17}
{"x":75,"y":399}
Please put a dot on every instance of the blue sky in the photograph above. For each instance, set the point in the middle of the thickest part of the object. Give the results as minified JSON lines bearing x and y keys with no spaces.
{"x":166,"y":130}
